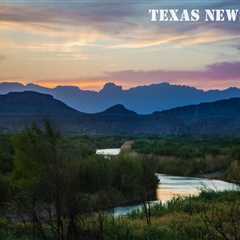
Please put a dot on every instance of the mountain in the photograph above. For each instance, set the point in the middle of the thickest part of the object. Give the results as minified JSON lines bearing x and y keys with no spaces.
{"x":33,"y":103}
{"x":20,"y":109}
{"x":117,"y":111}
{"x":216,"y":118}
{"x":141,"y":99}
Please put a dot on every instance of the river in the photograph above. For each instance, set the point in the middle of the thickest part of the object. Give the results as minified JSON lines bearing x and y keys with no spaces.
{"x":173,"y":186}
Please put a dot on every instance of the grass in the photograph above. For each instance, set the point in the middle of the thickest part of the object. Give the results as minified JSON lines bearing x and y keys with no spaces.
{"x":192,"y":218}
{"x":182,"y":218}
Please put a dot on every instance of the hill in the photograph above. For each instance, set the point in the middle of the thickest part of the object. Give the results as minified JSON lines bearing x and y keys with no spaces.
{"x":21,"y":109}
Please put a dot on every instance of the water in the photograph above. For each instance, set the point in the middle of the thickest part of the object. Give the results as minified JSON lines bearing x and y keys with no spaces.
{"x":174,"y":186}
{"x":108,"y":152}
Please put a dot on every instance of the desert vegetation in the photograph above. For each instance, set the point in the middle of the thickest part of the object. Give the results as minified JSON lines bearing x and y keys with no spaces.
{"x":51,"y":184}
{"x":56,"y":187}
{"x":191,"y":156}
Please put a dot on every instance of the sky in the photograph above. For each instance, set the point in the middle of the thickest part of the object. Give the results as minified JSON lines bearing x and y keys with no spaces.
{"x":87,"y":43}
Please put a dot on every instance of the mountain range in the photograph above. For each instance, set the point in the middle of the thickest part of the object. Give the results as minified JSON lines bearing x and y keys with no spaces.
{"x":141,"y":99}
{"x":20,"y":109}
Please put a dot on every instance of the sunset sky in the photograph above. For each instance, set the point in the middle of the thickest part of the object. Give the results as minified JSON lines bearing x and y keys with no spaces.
{"x":88,"y":43}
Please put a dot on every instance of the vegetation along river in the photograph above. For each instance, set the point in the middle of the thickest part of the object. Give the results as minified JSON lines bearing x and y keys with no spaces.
{"x":174,"y":186}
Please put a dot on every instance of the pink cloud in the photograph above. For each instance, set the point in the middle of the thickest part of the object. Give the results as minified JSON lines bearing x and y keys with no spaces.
{"x":217,"y":72}
{"x":216,"y":76}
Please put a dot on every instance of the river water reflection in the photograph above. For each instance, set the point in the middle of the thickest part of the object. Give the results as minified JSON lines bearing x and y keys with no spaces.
{"x":170,"y":187}
{"x":174,"y":186}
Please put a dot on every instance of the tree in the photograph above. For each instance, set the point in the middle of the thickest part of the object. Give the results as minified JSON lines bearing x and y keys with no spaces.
{"x":45,"y":171}
{"x":149,"y":182}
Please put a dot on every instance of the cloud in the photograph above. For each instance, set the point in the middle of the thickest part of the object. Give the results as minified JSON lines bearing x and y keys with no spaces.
{"x":224,"y":71}
{"x":76,"y":15}
{"x":215,"y":76}
{"x":42,"y":28}
{"x":186,"y":39}
{"x":123,"y":25}
{"x":64,"y":51}
{"x":25,"y":14}
{"x":2,"y":58}
{"x":218,"y":75}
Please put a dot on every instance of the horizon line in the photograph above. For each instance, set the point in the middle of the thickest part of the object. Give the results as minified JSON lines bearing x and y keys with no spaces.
{"x":116,"y":84}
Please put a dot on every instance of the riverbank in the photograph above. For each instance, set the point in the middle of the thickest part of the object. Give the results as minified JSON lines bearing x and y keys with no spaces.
{"x":213,"y":175}
{"x":210,"y":215}
{"x":171,"y":187}
{"x":215,"y":158}
{"x":128,"y":148}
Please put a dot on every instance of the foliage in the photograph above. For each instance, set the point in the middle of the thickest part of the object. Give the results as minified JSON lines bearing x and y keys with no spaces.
{"x":189,"y":156}
{"x":56,"y":187}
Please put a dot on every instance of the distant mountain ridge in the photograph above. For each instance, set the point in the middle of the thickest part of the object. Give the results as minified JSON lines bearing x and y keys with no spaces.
{"x":33,"y":103}
{"x":19,"y":110}
{"x":141,"y":99}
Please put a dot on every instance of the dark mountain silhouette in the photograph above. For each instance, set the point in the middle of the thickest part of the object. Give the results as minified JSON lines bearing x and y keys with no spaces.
{"x":20,"y":109}
{"x":142,"y":99}
{"x":33,"y":103}
{"x":117,"y":110}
